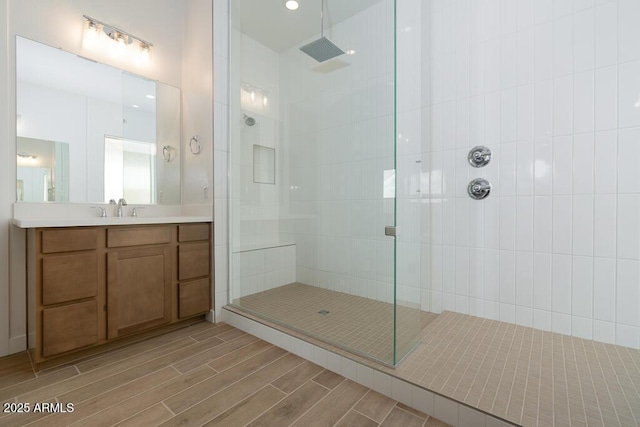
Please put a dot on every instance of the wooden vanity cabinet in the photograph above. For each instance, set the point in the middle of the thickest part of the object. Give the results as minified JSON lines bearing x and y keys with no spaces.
{"x":91,"y":285}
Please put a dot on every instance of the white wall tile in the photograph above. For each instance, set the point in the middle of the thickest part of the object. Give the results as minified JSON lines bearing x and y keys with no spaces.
{"x":543,"y":224}
{"x":562,"y":165}
{"x":509,"y":115}
{"x":542,"y":281}
{"x":526,"y":105}
{"x":604,"y":331}
{"x":604,"y":289}
{"x":628,"y":292}
{"x":508,"y":162}
{"x":563,"y":105}
{"x":606,"y":34}
{"x":508,"y":223}
{"x":582,"y":327}
{"x":543,"y":11}
{"x":628,"y":155}
{"x":583,"y":163}
{"x":582,"y":287}
{"x":583,"y":225}
{"x":606,"y":98}
{"x":562,"y":224}
{"x":562,"y":45}
{"x":583,"y":39}
{"x":606,"y":168}
{"x":524,"y":279}
{"x":604,"y":232}
{"x":524,"y":224}
{"x":628,"y":226}
{"x":583,"y":102}
{"x":422,"y":400}
{"x":507,"y":277}
{"x":524,"y":168}
{"x":561,"y":284}
{"x":543,"y":108}
{"x":561,"y":323}
{"x":628,"y":90}
{"x":543,"y":166}
{"x":628,"y":30}
{"x":627,"y":336}
{"x":542,"y":320}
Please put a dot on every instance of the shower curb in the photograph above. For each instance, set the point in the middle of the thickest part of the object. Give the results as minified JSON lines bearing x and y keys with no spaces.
{"x":433,"y":404}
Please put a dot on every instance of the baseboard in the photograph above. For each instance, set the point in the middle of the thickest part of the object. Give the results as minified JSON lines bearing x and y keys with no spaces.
{"x":17,"y":344}
{"x":211,"y":316}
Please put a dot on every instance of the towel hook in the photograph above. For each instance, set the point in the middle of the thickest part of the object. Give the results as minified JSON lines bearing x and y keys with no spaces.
{"x":194,"y":145}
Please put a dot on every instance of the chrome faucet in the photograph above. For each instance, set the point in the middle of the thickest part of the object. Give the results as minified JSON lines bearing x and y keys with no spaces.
{"x":121,"y":203}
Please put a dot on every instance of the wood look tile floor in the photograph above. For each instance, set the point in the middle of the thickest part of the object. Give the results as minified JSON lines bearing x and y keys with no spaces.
{"x":203,"y":374}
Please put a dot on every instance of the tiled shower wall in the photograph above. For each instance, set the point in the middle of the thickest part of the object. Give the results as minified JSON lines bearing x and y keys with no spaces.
{"x":552,"y":88}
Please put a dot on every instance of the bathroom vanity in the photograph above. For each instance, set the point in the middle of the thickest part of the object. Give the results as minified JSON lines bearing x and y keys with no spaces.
{"x":91,"y":285}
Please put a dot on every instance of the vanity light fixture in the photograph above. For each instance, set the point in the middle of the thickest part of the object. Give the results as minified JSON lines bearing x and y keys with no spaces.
{"x":253,"y":96}
{"x":121,"y":37}
{"x":292,"y":5}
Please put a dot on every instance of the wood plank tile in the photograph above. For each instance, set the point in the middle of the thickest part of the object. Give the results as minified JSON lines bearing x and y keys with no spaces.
{"x":398,"y":417}
{"x":298,"y":376}
{"x":333,"y":406}
{"x":14,"y":363}
{"x":216,"y":404}
{"x":375,"y":406}
{"x":232,"y":335}
{"x":218,"y":329}
{"x":37,"y":383}
{"x":17,"y":378}
{"x":111,"y":398}
{"x":249,"y":408}
{"x":135,"y":349}
{"x":356,"y":419}
{"x":62,"y":387}
{"x":225,"y":362}
{"x":204,"y":357}
{"x":153,"y":416}
{"x":147,"y":400}
{"x":329,"y":379}
{"x":22,"y":419}
{"x":292,"y":407}
{"x":181,"y":401}
{"x":98,"y":387}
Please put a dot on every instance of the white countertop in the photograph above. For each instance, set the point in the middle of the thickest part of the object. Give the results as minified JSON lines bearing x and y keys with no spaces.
{"x":97,"y":221}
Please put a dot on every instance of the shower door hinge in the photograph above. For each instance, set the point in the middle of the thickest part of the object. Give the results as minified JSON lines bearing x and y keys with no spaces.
{"x":391,"y":230}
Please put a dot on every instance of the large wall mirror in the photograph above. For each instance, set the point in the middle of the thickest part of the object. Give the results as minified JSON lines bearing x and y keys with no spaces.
{"x":88,"y":132}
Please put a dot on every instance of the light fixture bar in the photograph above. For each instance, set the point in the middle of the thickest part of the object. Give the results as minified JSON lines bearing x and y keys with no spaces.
{"x":118,"y":30}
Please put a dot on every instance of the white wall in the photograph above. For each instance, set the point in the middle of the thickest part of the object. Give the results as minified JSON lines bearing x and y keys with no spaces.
{"x":59,"y":23}
{"x":552,"y":89}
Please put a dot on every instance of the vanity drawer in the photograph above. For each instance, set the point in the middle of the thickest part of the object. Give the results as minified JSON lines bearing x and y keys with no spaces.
{"x":193,"y":260}
{"x":69,"y":277}
{"x":138,"y":236}
{"x":68,"y":240}
{"x":69,"y":327}
{"x":193,"y":298}
{"x":193,"y":232}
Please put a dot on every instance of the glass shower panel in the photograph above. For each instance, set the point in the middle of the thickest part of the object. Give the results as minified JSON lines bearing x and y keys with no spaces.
{"x":308,"y":244}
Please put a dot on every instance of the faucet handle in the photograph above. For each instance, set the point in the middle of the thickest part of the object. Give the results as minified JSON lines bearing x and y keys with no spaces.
{"x":134,"y":211}
{"x":102,"y":211}
{"x":112,"y":202}
{"x":122,"y":202}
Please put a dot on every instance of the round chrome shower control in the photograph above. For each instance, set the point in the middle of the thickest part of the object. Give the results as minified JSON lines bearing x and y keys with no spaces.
{"x":479,"y":156}
{"x":479,"y":189}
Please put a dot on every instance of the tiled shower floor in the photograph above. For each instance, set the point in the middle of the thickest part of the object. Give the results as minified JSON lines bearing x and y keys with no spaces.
{"x":527,"y":376}
{"x":360,"y":324}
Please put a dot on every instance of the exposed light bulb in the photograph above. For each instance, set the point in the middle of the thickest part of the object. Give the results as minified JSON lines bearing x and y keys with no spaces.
{"x":292,"y":5}
{"x":145,"y":53}
{"x":265,"y":100}
{"x":253,"y":96}
{"x":91,"y":34}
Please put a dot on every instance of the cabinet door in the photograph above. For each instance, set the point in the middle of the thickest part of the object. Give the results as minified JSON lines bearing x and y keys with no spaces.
{"x":193,"y":260}
{"x":69,"y":327}
{"x":138,"y":290}
{"x":193,"y":298}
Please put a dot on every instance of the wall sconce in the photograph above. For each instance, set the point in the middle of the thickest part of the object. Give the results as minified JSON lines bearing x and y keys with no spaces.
{"x":253,"y":97}
{"x":27,"y":159}
{"x":122,"y":39}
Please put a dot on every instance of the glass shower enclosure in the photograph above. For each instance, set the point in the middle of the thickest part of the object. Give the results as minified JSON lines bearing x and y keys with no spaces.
{"x":319,"y":203}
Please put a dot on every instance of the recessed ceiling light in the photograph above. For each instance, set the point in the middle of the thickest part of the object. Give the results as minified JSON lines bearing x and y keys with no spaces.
{"x":135,"y":106}
{"x":292,"y":5}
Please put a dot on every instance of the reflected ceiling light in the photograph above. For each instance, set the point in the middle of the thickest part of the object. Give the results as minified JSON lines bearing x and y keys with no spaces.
{"x":291,"y":5}
{"x":135,"y":106}
{"x":151,"y":96}
{"x":121,"y":37}
{"x":351,"y":52}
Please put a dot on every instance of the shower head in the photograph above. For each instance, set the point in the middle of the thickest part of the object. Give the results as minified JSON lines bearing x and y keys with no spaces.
{"x":249,"y":121}
{"x":322,"y":49}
